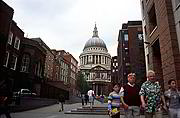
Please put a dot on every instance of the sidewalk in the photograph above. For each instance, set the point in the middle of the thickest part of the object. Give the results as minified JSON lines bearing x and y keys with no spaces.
{"x":28,"y":103}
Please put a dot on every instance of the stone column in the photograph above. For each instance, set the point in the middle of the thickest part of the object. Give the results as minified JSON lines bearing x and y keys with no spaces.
{"x":98,"y":59}
{"x":94,"y":59}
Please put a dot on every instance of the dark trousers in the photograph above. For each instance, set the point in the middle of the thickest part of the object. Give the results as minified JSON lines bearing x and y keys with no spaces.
{"x":86,"y":101}
{"x":83,"y":102}
{"x":116,"y":115}
{"x":5,"y":110}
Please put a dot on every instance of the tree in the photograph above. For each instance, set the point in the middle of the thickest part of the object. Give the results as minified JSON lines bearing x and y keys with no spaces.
{"x":81,"y":83}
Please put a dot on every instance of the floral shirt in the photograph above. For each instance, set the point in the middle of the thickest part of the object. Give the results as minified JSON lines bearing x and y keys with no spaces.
{"x":152,"y":94}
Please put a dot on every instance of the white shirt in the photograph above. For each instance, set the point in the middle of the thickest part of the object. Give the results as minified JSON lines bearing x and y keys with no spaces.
{"x":90,"y":93}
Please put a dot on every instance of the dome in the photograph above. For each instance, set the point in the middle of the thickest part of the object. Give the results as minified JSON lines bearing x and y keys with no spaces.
{"x":95,"y":41}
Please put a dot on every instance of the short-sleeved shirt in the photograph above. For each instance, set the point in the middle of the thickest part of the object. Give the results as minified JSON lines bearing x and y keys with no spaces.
{"x":174,"y":98}
{"x":152,"y":94}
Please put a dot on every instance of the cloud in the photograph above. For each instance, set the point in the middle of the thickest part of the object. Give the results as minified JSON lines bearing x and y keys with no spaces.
{"x":68,"y":24}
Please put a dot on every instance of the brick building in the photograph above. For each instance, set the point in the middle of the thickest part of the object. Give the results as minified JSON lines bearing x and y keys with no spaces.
{"x":131,"y":51}
{"x":73,"y":72}
{"x":161,"y":30}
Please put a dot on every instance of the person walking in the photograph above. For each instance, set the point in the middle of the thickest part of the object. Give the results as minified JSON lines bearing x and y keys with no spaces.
{"x":130,"y":98}
{"x":102,"y":99}
{"x":173,"y":98}
{"x":83,"y":99}
{"x":61,"y":102}
{"x":5,"y":96}
{"x":86,"y":98}
{"x":91,"y":97}
{"x":114,"y":102}
{"x":152,"y":96}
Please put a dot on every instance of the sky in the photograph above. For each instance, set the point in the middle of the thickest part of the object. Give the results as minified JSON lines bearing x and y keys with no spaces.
{"x":68,"y":24}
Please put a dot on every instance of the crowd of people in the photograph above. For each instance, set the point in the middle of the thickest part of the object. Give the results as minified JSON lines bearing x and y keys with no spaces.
{"x":149,"y":98}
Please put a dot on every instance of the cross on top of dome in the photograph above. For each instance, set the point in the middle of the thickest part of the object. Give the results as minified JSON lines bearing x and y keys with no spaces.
{"x":95,"y":32}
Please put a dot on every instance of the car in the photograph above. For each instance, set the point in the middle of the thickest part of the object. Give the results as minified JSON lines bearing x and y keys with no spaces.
{"x":26,"y":93}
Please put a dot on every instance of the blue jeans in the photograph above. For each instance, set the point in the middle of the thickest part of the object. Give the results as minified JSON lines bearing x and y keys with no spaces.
{"x":174,"y":113}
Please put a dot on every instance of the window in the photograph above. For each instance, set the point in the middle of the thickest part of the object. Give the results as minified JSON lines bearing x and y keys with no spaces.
{"x":126,"y":37}
{"x":25,"y":63}
{"x":140,"y":36}
{"x":17,"y":43}
{"x":13,"y":62}
{"x":6,"y":59}
{"x":10,"y":37}
{"x":152,"y":19}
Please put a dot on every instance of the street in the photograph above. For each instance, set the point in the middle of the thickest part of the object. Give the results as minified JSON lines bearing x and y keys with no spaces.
{"x":52,"y":112}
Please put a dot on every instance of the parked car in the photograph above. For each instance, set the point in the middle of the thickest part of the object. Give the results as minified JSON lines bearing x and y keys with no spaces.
{"x":25,"y":93}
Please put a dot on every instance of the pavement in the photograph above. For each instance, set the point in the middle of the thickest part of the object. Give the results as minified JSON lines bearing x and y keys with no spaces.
{"x":49,"y":108}
{"x":29,"y":103}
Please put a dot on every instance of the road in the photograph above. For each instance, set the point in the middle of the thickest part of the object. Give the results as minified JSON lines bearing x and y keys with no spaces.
{"x":52,"y":112}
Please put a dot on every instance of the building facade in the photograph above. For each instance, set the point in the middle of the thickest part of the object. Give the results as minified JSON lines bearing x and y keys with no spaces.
{"x":95,"y":64}
{"x":32,"y":63}
{"x":6,"y":15}
{"x":161,"y":31}
{"x":72,"y":73}
{"x":114,"y":70}
{"x":131,"y":52}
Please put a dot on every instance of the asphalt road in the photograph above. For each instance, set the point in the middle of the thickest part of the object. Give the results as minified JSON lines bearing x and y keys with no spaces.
{"x":52,"y":112}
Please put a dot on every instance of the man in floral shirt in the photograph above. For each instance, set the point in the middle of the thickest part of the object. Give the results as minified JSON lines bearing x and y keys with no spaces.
{"x":151,"y":96}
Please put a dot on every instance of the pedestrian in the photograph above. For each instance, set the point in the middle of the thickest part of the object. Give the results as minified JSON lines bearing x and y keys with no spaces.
{"x":86,"y":98}
{"x":173,"y":98}
{"x":102,"y":99}
{"x":130,"y":98}
{"x":91,"y":97}
{"x":5,"y":96}
{"x":114,"y":102}
{"x":61,"y":102}
{"x":152,"y":96}
{"x":83,"y":99}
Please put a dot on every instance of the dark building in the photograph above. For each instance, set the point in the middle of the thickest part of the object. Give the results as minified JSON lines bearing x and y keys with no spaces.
{"x":114,"y":70}
{"x":131,"y":52}
{"x":12,"y":55}
{"x":6,"y":15}
{"x":161,"y":30}
{"x":31,"y":65}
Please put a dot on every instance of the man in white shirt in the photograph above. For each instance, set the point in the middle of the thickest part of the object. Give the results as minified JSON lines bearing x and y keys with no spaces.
{"x":91,"y":97}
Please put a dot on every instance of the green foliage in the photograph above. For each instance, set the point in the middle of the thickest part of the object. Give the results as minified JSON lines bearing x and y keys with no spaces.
{"x":81,"y":83}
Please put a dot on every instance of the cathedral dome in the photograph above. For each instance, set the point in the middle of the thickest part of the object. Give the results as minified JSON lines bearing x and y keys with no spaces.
{"x":95,"y":41}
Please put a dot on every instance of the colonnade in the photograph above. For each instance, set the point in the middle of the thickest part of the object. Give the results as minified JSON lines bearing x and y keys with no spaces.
{"x":95,"y":59}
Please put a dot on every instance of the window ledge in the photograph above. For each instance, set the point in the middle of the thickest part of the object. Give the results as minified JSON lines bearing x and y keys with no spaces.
{"x":153,"y":31}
